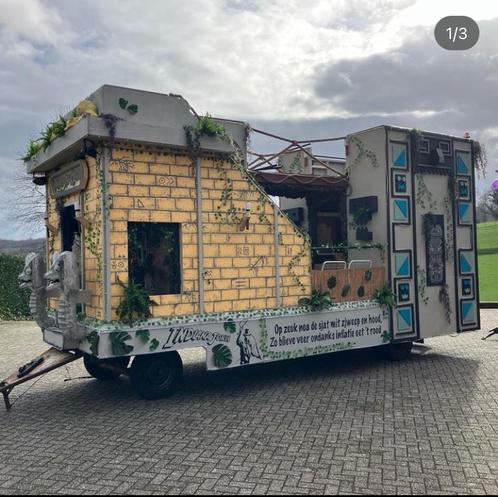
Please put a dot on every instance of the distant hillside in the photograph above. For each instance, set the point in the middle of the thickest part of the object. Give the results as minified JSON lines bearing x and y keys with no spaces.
{"x":21,"y":247}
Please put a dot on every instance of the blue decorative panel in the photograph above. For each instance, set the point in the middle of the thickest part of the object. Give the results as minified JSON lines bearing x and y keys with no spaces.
{"x":399,"y":155}
{"x":464,"y":213}
{"x":463,"y":162}
{"x":401,"y":210}
{"x":467,"y":287}
{"x":404,"y":319}
{"x":403,"y":292}
{"x":399,"y":183}
{"x":402,"y":265}
{"x":466,"y":262}
{"x":463,"y":189}
{"x":468,"y":312}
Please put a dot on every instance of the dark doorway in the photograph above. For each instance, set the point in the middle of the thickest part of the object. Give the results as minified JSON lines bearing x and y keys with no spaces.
{"x":69,"y":227}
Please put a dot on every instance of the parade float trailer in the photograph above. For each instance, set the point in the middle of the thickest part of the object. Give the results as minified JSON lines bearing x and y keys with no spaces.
{"x":163,"y":236}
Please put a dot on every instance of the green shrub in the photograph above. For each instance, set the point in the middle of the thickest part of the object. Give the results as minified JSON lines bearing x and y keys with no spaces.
{"x":135,"y":304}
{"x":14,"y":302}
{"x":318,"y":300}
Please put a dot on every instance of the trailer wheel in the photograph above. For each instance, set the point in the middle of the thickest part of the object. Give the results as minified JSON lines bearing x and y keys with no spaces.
{"x":101,"y":370}
{"x":157,"y":375}
{"x":399,"y":351}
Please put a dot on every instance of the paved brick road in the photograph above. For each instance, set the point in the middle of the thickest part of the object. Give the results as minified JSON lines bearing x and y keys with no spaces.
{"x":344,"y":423}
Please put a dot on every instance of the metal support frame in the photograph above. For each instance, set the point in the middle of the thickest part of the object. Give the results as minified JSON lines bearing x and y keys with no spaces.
{"x":293,"y":145}
{"x":200,"y":245}
{"x":106,"y":242}
{"x":277,"y":256}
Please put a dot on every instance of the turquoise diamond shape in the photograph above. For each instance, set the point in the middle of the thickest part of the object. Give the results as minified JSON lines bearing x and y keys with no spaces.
{"x":462,"y":166}
{"x":399,"y":155}
{"x":468,"y":312}
{"x":401,"y":210}
{"x":465,"y":265}
{"x":405,"y":319}
{"x":402,"y":265}
{"x":464,"y":212}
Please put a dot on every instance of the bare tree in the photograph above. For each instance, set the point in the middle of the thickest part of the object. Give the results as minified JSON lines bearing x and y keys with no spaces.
{"x":488,"y":204}
{"x":27,"y":204}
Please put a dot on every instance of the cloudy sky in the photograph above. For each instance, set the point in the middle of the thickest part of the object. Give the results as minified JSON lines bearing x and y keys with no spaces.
{"x":304,"y":69}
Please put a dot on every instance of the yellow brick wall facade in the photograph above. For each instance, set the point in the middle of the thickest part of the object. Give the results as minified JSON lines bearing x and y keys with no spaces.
{"x":89,"y":202}
{"x":240,"y":272}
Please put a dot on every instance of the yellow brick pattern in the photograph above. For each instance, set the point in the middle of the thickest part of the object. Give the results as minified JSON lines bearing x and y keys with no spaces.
{"x":239,"y":266}
{"x":89,"y":202}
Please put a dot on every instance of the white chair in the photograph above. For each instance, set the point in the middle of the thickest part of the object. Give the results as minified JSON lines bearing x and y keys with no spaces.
{"x":360,"y":263}
{"x":334,"y":265}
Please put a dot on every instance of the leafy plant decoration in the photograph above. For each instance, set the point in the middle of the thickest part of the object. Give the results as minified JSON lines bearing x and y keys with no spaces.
{"x":144,"y":335}
{"x":332,"y":282}
{"x":222,"y":356}
{"x":361,"y":292}
{"x":33,"y":147}
{"x":384,"y":296}
{"x":135,"y":304}
{"x":154,"y":344}
{"x":387,"y":336}
{"x":118,"y":343}
{"x":132,"y":108}
{"x":345,"y":289}
{"x":317,"y":301}
{"x":230,"y":326}
{"x":368,"y":275}
{"x":207,"y":126}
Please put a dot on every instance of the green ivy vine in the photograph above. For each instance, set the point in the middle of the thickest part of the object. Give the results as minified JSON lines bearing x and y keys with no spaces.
{"x":424,"y":197}
{"x":363,"y":152}
{"x":448,"y":209}
{"x":444,"y":298}
{"x":422,"y":284}
{"x":293,"y":263}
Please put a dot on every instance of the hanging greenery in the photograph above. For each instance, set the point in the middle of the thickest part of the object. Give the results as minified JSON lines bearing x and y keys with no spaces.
{"x":295,"y":261}
{"x":448,"y":209}
{"x":480,"y":158}
{"x":444,"y":298}
{"x":422,"y":284}
{"x":363,"y":153}
{"x":424,"y":196}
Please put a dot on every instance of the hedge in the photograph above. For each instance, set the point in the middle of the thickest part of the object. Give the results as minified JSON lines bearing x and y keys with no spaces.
{"x":14,"y":302}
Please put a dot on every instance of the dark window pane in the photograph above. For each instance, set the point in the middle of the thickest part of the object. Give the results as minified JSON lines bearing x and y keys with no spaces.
{"x":154,"y":257}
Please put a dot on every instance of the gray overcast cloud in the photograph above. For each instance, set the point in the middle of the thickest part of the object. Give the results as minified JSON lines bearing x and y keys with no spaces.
{"x":303,"y":69}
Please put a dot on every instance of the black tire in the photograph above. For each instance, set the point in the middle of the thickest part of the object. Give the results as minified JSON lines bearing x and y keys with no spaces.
{"x":97,"y":367}
{"x":398,"y":351}
{"x":156,"y":376}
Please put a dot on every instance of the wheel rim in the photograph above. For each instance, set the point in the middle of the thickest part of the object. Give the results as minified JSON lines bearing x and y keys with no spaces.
{"x":158,"y":373}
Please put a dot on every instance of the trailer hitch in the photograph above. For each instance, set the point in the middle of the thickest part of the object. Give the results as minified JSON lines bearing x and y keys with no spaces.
{"x":48,"y":361}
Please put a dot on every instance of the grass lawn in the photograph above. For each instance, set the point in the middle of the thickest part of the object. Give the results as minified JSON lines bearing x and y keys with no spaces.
{"x":487,"y":239}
